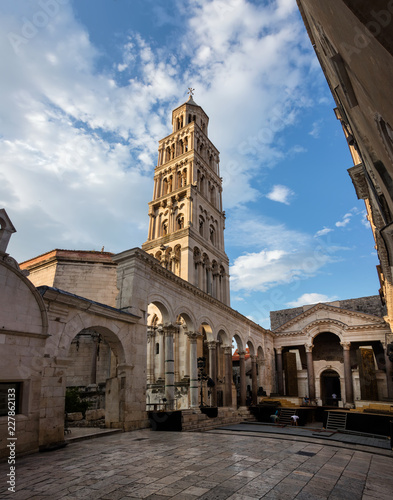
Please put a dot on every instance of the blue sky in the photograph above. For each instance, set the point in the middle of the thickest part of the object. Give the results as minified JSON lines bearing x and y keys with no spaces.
{"x":87,"y":91}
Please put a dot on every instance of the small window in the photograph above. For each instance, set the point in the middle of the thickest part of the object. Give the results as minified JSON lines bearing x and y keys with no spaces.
{"x":157,"y":348}
{"x":10,"y":393}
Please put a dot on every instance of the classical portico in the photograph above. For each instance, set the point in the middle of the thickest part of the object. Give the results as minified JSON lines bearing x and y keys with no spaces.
{"x":334,"y":355}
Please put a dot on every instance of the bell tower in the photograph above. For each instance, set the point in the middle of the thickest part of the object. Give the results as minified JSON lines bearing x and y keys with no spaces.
{"x":186,"y":227}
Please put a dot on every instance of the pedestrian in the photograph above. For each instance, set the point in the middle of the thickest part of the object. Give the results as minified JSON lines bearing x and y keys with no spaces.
{"x":294,"y":419}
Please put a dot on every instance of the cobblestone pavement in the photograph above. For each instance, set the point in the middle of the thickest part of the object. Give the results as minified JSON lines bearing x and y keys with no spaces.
{"x":208,"y":466}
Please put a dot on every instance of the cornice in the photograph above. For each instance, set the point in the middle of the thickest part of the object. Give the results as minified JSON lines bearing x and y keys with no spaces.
{"x":326,"y":307}
{"x":345,"y":328}
{"x":171,"y":165}
{"x":359,"y":181}
{"x":189,"y":128}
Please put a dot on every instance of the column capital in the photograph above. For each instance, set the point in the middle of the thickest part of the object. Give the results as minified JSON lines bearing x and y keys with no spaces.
{"x":346,"y":345}
{"x":160,"y":329}
{"x":150,"y":332}
{"x":170,"y":329}
{"x":227,"y":349}
{"x":212,"y":344}
{"x":193,"y":336}
{"x":279,"y":350}
{"x":308,"y":347}
{"x":242,"y":354}
{"x":254,"y":358}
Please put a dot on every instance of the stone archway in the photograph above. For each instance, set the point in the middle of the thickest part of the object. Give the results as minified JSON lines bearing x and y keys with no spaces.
{"x":111,"y":396}
{"x":330,"y":387}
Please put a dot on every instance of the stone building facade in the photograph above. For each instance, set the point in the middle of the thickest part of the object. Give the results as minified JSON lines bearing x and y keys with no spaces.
{"x":335,"y":348}
{"x":38,"y":325}
{"x":353,"y":40}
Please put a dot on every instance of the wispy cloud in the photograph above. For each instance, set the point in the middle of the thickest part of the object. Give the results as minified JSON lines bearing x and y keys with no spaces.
{"x":347,"y":218}
{"x":323,"y":231}
{"x":316,"y":129}
{"x":280,"y":193}
{"x":311,"y":298}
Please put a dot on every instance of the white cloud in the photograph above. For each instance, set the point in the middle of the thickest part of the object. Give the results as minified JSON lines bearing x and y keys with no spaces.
{"x":323,"y":231}
{"x":311,"y":298}
{"x":263,"y":270}
{"x":280,"y":193}
{"x":316,"y":128}
{"x":349,"y":215}
{"x":345,"y":220}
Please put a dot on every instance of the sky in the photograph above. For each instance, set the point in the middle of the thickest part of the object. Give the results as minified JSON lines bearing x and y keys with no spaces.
{"x":87,"y":90}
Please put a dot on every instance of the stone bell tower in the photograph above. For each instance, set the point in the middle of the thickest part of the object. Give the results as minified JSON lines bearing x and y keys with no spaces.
{"x":186,"y":229}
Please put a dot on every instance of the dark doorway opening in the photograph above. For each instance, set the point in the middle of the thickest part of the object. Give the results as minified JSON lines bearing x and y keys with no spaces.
{"x":330,"y":388}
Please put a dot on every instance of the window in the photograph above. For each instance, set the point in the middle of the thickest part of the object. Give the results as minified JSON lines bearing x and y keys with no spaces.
{"x":212,"y":235}
{"x":157,"y":348}
{"x":10,"y":393}
{"x":201,"y":226}
{"x":180,"y":222}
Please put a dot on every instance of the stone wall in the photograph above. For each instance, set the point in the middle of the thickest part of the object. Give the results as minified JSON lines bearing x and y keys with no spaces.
{"x":87,"y":274}
{"x":22,"y":339}
{"x":81,"y":352}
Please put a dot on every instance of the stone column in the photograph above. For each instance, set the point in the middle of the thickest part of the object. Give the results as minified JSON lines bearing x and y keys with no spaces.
{"x":389,"y":374}
{"x":208,"y":288}
{"x":150,"y":354}
{"x":243,"y":385}
{"x":213,"y":370}
{"x":254,"y":383}
{"x":218,"y":286}
{"x":186,"y":355}
{"x":161,"y":353}
{"x":150,"y":235}
{"x":280,"y":378}
{"x":93,"y":369}
{"x":228,"y":376}
{"x":310,"y":372}
{"x":200,"y":274}
{"x":169,"y":366}
{"x":261,"y":382}
{"x":176,"y":348}
{"x":189,"y":222}
{"x":159,"y":186}
{"x":347,"y":372}
{"x":193,"y":370}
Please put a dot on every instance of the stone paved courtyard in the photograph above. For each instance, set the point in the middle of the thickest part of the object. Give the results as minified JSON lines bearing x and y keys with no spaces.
{"x":210,"y":466}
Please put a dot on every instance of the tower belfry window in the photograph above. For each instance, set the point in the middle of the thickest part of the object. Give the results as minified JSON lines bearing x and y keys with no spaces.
{"x":201,"y":225}
{"x":212,"y":235}
{"x":180,"y":222}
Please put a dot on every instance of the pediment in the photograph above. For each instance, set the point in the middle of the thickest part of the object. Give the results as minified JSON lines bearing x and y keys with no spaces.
{"x":327,"y":314}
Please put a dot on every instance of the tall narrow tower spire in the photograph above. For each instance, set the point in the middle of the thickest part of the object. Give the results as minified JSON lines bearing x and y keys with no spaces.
{"x":186,"y":229}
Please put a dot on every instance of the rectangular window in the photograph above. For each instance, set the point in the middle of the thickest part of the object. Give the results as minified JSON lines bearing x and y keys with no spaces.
{"x":10,"y":393}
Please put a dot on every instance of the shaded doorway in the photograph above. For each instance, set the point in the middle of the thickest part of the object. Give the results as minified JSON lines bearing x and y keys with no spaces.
{"x":330,"y":388}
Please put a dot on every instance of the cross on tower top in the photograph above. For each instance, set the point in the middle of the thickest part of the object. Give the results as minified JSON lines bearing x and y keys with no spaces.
{"x":190,"y":91}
